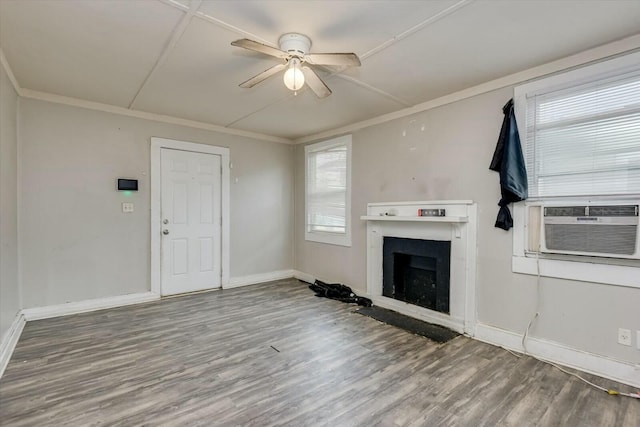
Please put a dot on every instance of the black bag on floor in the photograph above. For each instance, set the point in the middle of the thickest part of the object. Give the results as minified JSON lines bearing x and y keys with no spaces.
{"x":338,"y":292}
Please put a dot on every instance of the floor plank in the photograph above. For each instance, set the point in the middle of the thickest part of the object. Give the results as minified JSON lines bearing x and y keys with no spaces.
{"x":274,"y":354}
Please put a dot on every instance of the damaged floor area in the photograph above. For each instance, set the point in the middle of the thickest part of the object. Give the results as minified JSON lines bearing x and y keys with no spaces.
{"x":274,"y":354}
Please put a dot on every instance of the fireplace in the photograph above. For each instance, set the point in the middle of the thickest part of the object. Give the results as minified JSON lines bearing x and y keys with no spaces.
{"x":423,"y":266}
{"x":417,"y":272}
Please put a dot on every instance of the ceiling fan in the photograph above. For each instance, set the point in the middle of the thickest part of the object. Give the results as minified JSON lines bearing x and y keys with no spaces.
{"x":294,"y":51}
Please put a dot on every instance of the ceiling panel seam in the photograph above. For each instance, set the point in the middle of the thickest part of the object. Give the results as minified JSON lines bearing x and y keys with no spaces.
{"x":335,"y":74}
{"x":278,"y":101}
{"x":175,"y":4}
{"x":620,"y":47}
{"x":372,"y":89}
{"x":438,"y":16}
{"x":171,"y":43}
{"x":9,"y":71}
{"x":363,"y":85}
{"x":446,"y":12}
{"x":233,"y":28}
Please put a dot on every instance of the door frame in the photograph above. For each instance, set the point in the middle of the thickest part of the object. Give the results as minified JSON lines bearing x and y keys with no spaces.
{"x":157,"y":144}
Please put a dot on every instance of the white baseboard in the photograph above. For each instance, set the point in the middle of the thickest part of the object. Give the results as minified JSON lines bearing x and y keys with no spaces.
{"x":47,"y":312}
{"x":9,"y":341}
{"x":561,"y":354}
{"x":303,"y":276}
{"x":236,"y":282}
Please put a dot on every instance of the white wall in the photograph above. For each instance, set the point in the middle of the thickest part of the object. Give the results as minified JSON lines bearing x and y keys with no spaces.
{"x":9,"y":291}
{"x":450,"y":159}
{"x":75,"y":242}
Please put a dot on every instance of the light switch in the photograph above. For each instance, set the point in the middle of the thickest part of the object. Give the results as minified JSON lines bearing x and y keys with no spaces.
{"x":127,"y":207}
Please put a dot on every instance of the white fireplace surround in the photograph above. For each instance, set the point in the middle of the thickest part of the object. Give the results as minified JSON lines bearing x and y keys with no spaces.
{"x":459,"y":226}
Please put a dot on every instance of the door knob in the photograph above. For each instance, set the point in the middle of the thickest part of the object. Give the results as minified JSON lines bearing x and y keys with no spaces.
{"x":166,"y":221}
{"x":165,"y":232}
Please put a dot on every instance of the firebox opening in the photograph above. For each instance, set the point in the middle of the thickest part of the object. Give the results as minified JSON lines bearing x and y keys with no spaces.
{"x":417,"y":272}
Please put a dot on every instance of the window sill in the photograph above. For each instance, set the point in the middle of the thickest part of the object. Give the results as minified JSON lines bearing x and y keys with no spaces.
{"x":619,"y":275}
{"x":331,"y":239}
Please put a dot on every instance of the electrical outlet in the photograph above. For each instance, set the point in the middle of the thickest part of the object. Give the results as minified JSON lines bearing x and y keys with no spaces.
{"x":624,"y":336}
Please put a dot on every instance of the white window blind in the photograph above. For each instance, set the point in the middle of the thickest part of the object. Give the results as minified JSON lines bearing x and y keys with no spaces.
{"x":584,"y":140}
{"x":327,"y":189}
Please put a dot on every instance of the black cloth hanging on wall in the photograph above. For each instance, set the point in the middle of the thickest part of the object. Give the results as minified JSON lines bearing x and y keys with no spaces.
{"x":509,"y":162}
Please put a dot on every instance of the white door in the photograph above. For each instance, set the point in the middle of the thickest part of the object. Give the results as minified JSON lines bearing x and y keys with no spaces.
{"x":191,"y":221}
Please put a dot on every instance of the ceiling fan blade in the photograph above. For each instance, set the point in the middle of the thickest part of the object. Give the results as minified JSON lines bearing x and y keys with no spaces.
{"x":315,"y":83}
{"x":344,"y":59}
{"x":262,"y":76}
{"x":259,"y":47}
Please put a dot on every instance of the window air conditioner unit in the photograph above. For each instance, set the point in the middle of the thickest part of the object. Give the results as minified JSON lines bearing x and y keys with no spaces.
{"x":602,"y":230}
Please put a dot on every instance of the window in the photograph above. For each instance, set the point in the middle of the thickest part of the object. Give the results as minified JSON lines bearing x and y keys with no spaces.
{"x":580,"y":132}
{"x":328,"y":191}
{"x":584,"y":140}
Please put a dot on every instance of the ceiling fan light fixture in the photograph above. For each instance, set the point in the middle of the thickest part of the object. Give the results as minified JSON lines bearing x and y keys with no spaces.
{"x":297,"y":62}
{"x":293,"y":77}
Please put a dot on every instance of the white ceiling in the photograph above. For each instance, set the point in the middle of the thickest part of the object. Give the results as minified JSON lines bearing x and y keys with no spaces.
{"x":174,"y":57}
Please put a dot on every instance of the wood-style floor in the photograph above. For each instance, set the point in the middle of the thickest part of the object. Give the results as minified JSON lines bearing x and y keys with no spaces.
{"x":274,"y":354}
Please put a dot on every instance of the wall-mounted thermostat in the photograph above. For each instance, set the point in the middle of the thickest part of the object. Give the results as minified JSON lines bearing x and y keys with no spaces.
{"x":127,"y":184}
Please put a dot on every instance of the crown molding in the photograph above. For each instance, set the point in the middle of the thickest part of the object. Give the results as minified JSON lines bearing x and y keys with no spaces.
{"x":107,"y":108}
{"x":626,"y":45}
{"x":619,"y":47}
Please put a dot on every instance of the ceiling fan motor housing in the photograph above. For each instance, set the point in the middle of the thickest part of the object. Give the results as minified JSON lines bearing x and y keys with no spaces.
{"x":294,"y":43}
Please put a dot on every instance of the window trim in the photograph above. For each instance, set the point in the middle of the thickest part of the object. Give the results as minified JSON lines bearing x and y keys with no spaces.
{"x":593,"y":269}
{"x":319,"y":236}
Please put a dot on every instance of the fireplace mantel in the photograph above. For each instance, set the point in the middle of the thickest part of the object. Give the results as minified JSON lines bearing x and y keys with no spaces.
{"x":459,"y":226}
{"x":416,"y":218}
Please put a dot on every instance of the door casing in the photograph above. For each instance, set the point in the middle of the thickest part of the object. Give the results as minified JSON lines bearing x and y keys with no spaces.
{"x":156,"y":226}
